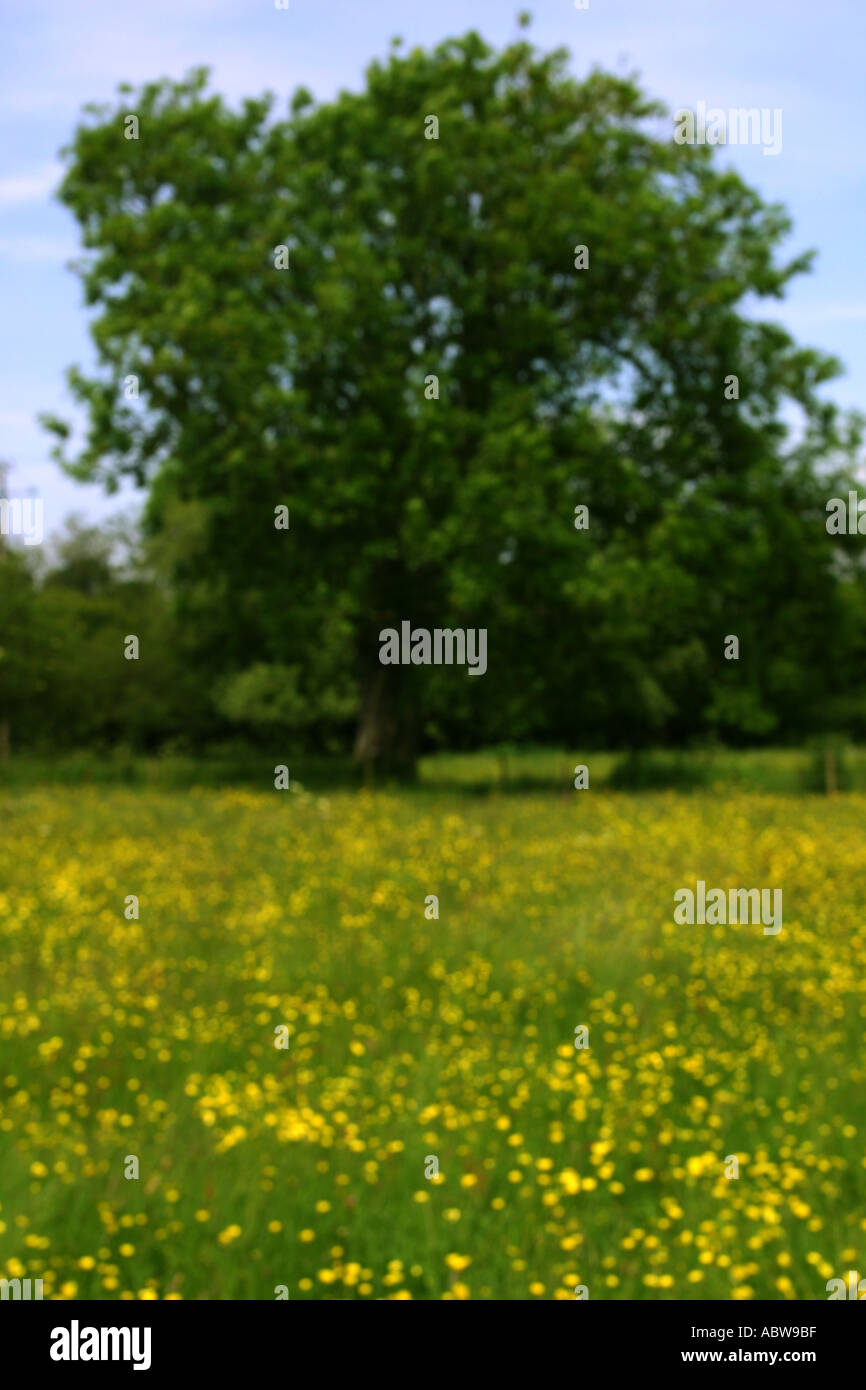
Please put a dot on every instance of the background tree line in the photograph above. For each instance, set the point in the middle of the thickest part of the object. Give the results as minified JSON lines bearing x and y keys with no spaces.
{"x":65,"y":684}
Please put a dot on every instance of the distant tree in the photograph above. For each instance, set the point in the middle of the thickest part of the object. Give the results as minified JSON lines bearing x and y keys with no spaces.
{"x":81,"y":558}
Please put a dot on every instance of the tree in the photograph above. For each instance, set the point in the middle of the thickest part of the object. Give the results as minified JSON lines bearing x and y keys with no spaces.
{"x":284,"y":291}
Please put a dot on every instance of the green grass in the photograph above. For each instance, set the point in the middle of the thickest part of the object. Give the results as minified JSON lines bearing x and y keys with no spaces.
{"x":783,"y":770}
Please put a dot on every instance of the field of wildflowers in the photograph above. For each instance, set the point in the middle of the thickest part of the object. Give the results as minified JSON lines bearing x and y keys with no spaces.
{"x":413,"y":1038}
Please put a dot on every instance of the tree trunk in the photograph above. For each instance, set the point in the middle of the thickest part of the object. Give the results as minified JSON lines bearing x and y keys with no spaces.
{"x":386,"y":738}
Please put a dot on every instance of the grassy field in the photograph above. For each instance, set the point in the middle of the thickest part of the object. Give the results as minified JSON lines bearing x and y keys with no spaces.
{"x":787,"y":770}
{"x":412,"y":1038}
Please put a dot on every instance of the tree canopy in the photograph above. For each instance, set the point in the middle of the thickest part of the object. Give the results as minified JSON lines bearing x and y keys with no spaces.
{"x":432,"y":318}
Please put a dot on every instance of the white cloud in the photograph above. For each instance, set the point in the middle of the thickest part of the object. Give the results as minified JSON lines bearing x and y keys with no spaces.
{"x":831,"y":312}
{"x":26,"y":188}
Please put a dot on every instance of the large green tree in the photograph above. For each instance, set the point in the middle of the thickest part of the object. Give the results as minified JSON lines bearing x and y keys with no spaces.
{"x":415,"y":251}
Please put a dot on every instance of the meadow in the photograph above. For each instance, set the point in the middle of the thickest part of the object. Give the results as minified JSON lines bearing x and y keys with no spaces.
{"x":413,"y":1038}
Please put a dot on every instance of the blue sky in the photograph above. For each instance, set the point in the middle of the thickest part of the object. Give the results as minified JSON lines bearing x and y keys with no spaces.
{"x":55,"y":55}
